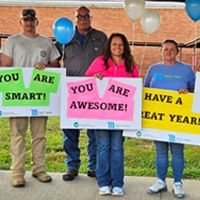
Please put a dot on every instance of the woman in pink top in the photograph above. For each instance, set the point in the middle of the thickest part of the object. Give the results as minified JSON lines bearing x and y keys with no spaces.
{"x":117,"y":61}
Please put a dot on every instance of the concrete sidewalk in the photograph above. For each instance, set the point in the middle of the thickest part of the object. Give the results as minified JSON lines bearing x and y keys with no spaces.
{"x":85,"y":188}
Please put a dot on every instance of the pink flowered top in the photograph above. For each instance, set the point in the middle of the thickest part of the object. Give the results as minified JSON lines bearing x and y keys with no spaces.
{"x":113,"y":71}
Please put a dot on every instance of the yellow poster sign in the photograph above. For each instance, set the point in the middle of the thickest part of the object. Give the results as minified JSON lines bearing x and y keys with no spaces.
{"x":169,"y":111}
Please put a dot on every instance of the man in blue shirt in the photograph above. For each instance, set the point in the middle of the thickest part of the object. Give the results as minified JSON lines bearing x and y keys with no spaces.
{"x":79,"y":53}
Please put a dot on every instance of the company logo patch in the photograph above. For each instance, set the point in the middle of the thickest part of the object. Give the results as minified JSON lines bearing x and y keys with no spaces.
{"x":43,"y":54}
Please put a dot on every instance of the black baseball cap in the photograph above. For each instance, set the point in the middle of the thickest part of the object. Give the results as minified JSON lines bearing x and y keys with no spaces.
{"x":28,"y":13}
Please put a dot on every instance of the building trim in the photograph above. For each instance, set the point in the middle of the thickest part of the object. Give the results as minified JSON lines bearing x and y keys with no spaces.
{"x":99,"y":3}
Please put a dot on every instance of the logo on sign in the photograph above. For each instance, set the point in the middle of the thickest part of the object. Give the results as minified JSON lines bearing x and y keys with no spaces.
{"x":76,"y":124}
{"x":111,"y":125}
{"x":172,"y":138}
{"x":139,"y":134}
{"x":34,"y":112}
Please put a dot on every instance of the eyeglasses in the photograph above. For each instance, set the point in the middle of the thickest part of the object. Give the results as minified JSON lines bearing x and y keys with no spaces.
{"x":83,"y":16}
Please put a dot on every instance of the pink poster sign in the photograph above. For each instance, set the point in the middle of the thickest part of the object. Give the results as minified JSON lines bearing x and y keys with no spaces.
{"x":116,"y":103}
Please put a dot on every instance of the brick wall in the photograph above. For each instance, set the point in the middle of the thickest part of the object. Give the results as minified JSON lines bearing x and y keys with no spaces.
{"x":175,"y":24}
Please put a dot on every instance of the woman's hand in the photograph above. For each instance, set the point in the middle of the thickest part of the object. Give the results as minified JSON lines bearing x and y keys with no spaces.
{"x":99,"y":76}
{"x":183,"y":91}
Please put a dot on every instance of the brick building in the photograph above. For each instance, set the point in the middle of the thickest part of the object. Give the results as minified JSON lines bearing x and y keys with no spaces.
{"x":175,"y":25}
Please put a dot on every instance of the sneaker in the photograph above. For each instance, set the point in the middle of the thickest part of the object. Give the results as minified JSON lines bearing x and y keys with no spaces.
{"x":18,"y":181}
{"x":177,"y":189}
{"x":158,"y":186}
{"x":104,"y":190}
{"x":117,"y":191}
{"x":42,"y":177}
{"x":70,"y":175}
{"x":91,"y":174}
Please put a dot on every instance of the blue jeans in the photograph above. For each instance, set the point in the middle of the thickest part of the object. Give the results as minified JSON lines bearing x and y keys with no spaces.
{"x":72,"y":150}
{"x":177,"y":151}
{"x":110,"y":158}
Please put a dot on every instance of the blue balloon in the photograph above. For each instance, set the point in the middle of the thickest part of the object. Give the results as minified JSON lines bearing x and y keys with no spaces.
{"x":193,"y":9}
{"x":63,"y":30}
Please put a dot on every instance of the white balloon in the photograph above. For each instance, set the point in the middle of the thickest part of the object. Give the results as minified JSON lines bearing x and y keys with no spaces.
{"x":134,"y":8}
{"x":151,"y":21}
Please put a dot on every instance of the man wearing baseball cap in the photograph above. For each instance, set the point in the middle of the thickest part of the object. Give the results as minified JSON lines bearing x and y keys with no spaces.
{"x":28,"y":13}
{"x":28,"y":49}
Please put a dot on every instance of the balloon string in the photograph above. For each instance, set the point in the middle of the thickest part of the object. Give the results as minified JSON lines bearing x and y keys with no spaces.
{"x":63,"y":55}
{"x":143,"y":55}
{"x":133,"y":37}
{"x":195,"y":47}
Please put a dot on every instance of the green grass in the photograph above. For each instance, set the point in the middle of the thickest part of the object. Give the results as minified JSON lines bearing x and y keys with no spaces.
{"x":139,"y":154}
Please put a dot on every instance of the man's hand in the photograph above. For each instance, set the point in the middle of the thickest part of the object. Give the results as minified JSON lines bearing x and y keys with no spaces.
{"x":40,"y":66}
